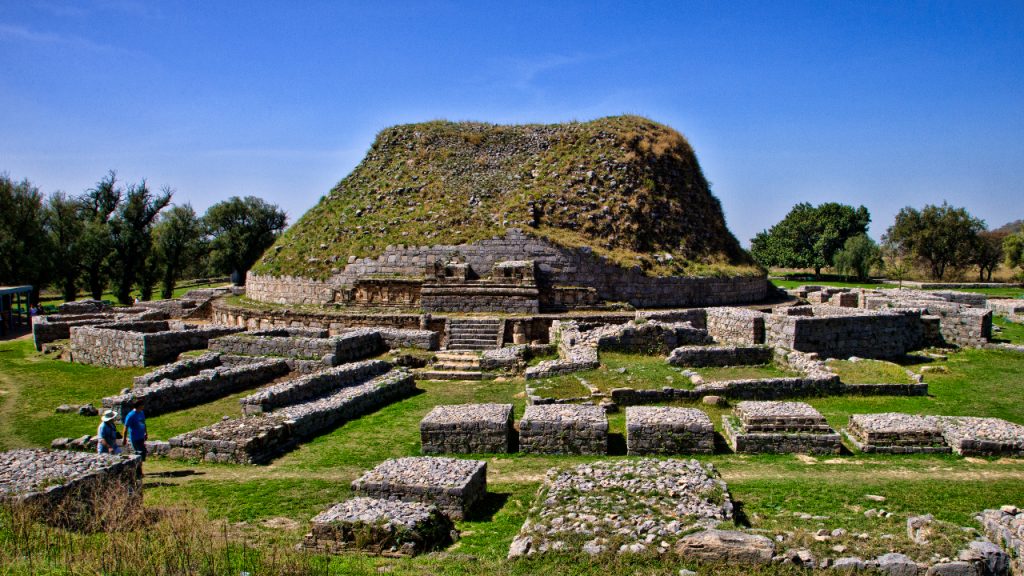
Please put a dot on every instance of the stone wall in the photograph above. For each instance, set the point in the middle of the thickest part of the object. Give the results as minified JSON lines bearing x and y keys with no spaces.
{"x":313,"y":385}
{"x":61,"y":485}
{"x":467,"y":429}
{"x":844,"y":332}
{"x":258,"y":438}
{"x":555,"y":265}
{"x":168,"y":395}
{"x":180,"y":369}
{"x":51,"y":327}
{"x":699,"y":356}
{"x":736,"y":325}
{"x":480,"y":298}
{"x":1006,"y":528}
{"x":564,"y":429}
{"x":139,"y":343}
{"x":343,"y":348}
{"x":646,"y":337}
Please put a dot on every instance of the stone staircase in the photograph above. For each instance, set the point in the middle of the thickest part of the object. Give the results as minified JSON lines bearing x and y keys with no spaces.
{"x":473,"y":333}
{"x":458,"y":365}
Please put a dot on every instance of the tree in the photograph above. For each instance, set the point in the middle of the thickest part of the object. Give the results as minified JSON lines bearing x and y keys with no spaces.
{"x":858,"y":256}
{"x":809,"y":236}
{"x":942,"y":237}
{"x":24,"y":244}
{"x":988,"y":253}
{"x":178,"y":240}
{"x":1013,"y":248}
{"x":241,"y":229}
{"x":131,"y":235}
{"x":98,"y":205}
{"x":65,"y":225}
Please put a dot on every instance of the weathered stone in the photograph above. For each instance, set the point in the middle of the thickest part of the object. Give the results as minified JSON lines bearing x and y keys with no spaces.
{"x":727,"y":546}
{"x":451,"y":484}
{"x":895,"y":564}
{"x":387,"y":527}
{"x":563,"y":429}
{"x":467,"y":429}
{"x":664,"y":430}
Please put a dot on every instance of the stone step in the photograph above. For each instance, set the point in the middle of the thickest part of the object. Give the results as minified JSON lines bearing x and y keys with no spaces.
{"x":456,"y":356}
{"x":473,"y":330}
{"x":449,"y":375}
{"x":446,"y":366}
{"x":479,"y":347}
{"x":475,"y":322}
{"x":492,"y":342}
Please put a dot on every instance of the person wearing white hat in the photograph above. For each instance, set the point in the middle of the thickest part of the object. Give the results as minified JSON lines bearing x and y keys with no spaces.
{"x":107,"y":434}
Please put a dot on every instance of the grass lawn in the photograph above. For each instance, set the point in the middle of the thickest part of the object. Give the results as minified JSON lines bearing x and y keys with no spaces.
{"x":870,"y":372}
{"x":55,"y":299}
{"x":617,"y":370}
{"x":1002,"y":291}
{"x":797,"y":495}
{"x":726,"y":373}
{"x":1011,"y":332}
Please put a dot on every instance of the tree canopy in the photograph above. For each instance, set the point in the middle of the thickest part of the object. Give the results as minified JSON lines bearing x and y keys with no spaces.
{"x":859,"y":255}
{"x":941,"y":237}
{"x":809,"y":236}
{"x":241,"y":229}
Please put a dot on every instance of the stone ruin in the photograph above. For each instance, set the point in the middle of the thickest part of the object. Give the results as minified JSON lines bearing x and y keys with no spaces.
{"x":49,"y":328}
{"x":894,"y":433}
{"x":140,"y":343}
{"x":60,"y":485}
{"x":451,"y":484}
{"x":196,"y":381}
{"x":564,"y":429}
{"x":771,"y":427}
{"x":624,"y":506}
{"x":664,"y":430}
{"x":291,"y":412}
{"x":306,"y":350}
{"x":379,"y":526}
{"x":973,"y":436}
{"x":468,"y":429}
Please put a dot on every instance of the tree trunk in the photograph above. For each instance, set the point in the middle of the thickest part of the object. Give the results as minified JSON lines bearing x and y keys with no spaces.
{"x":69,"y":291}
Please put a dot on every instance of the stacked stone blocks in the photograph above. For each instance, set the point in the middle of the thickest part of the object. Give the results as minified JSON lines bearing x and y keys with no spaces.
{"x":468,"y":429}
{"x":563,"y":429}
{"x":779,"y":428}
{"x":451,"y":484}
{"x":139,"y":343}
{"x":311,"y":386}
{"x":379,"y":526}
{"x":894,"y":433}
{"x":664,"y":430}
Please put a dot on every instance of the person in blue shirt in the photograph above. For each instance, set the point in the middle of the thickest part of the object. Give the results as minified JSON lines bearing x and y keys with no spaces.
{"x":107,"y":434}
{"x":135,"y":430}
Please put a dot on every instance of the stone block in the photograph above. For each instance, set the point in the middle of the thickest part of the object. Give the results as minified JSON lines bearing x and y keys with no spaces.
{"x":453,"y":485}
{"x":386,"y":527}
{"x":564,"y":429}
{"x":468,"y":429}
{"x":664,"y":430}
{"x":894,"y":433}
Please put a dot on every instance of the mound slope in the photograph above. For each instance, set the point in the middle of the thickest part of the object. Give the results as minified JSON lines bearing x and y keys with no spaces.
{"x":626,"y":187}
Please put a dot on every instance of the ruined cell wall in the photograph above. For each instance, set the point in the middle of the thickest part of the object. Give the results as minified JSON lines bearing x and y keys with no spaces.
{"x":840,"y":332}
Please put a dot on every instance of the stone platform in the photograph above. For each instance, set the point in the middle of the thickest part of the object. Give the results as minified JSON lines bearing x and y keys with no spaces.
{"x":663,"y":430}
{"x":971,"y":436}
{"x":468,"y":429}
{"x":895,"y":433}
{"x":62,"y":483}
{"x":453,"y":485}
{"x":385,"y":527}
{"x":779,"y":428}
{"x":564,"y":429}
{"x":643,"y":505}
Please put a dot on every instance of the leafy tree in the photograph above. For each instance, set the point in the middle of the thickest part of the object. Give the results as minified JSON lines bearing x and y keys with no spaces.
{"x":24,"y":244}
{"x":988,"y":253}
{"x":65,"y":225}
{"x":809,"y":236}
{"x":942,"y":237}
{"x":858,"y":256}
{"x":1013,"y":248}
{"x":241,"y":229}
{"x":178,"y":240}
{"x":98,"y":205}
{"x":131,"y":236}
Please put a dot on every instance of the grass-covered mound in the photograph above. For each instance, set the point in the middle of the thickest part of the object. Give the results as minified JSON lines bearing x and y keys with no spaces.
{"x":629,"y":188}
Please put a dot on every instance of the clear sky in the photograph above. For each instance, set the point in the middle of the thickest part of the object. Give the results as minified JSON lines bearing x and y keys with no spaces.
{"x":884,"y":104}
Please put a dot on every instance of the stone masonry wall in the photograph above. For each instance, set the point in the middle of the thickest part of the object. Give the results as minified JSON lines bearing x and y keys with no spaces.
{"x":307,"y":387}
{"x":343,"y":348}
{"x":736,"y":325}
{"x":845,"y":332}
{"x":138,"y":343}
{"x":699,"y":356}
{"x":555,"y":265}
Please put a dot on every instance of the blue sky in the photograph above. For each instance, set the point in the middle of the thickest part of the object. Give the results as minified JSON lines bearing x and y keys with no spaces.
{"x":884,"y":104}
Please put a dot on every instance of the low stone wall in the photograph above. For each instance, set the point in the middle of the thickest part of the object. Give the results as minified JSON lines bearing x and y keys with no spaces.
{"x":843,"y":332}
{"x":169,"y":395}
{"x":700,"y":356}
{"x":451,"y":484}
{"x":180,"y":369}
{"x":778,"y":442}
{"x":736,"y":326}
{"x":576,"y":353}
{"x":894,"y":433}
{"x":409,"y":338}
{"x":52,"y":327}
{"x":648,"y":337}
{"x":256,"y":319}
{"x":347,"y":347}
{"x":385,"y":527}
{"x":313,"y":385}
{"x":256,"y":439}
{"x":563,"y":429}
{"x":468,"y":429}
{"x":139,"y":343}
{"x":1005,"y":527}
{"x":480,"y":298}
{"x":60,"y":484}
{"x":972,"y":436}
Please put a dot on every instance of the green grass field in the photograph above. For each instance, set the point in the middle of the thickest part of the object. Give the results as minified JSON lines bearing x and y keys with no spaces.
{"x":1003,"y":291}
{"x":263,"y":511}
